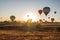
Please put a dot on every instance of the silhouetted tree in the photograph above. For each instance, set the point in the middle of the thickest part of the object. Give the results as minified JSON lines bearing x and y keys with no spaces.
{"x":12,"y":18}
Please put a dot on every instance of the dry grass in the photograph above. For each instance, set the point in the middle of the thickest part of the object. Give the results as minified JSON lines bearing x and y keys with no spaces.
{"x":21,"y":35}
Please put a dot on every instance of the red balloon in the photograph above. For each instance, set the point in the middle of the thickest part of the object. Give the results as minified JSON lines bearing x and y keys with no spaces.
{"x":40,"y":11}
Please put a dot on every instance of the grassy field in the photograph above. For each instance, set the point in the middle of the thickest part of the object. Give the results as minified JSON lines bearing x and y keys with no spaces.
{"x":29,"y":31}
{"x":21,"y":35}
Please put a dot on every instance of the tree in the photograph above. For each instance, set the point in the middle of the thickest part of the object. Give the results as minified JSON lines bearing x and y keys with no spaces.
{"x":12,"y":18}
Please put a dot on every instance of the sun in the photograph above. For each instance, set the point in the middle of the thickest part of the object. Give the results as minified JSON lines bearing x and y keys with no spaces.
{"x":31,"y":16}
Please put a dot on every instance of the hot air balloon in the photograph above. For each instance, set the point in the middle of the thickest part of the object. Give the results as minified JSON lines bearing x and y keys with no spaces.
{"x":48,"y":17}
{"x":54,"y":12}
{"x":40,"y":11}
{"x":52,"y":19}
{"x":12,"y":18}
{"x":43,"y":19}
{"x":27,"y":15}
{"x":46,"y":10}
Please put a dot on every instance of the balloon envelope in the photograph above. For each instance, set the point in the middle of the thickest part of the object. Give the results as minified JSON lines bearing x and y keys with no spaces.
{"x":40,"y":11}
{"x":54,"y":12}
{"x":48,"y":17}
{"x":52,"y":19}
{"x":27,"y":15}
{"x":46,"y":10}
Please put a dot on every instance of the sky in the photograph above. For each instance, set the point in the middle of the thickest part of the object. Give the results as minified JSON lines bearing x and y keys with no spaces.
{"x":20,"y":9}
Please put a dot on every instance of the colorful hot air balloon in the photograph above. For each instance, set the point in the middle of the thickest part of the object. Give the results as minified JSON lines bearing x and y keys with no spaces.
{"x":46,"y":10}
{"x":40,"y":11}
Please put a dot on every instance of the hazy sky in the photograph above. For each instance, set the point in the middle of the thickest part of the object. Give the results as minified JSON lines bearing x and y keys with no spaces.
{"x":20,"y":8}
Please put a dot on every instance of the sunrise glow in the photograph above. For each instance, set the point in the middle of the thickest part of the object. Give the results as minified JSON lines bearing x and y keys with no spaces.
{"x":30,"y":15}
